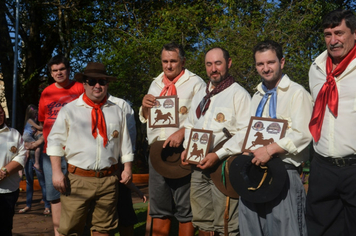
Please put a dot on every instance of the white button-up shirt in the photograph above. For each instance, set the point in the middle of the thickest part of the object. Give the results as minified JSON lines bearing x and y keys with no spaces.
{"x":187,"y":86}
{"x":11,"y":149}
{"x":72,"y":130}
{"x":228,"y":109}
{"x":338,"y":137}
{"x":294,"y":104}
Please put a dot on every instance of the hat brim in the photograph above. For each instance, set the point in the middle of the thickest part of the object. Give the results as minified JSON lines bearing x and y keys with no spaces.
{"x":80,"y":76}
{"x":241,"y":166}
{"x":167,"y":161}
{"x":216,"y":174}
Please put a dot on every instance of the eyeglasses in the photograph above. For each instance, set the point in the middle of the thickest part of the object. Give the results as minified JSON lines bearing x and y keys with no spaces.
{"x":93,"y":82}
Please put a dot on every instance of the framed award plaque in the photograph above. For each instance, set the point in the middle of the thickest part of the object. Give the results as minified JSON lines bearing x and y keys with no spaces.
{"x":164,"y":113}
{"x":263,"y":131}
{"x":198,"y":145}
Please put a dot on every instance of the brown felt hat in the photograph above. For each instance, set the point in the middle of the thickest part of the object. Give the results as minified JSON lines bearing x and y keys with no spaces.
{"x":167,"y":162}
{"x":93,"y":70}
{"x":216,"y":174}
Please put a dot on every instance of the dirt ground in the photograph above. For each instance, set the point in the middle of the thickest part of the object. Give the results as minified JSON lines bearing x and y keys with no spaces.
{"x":34,"y":223}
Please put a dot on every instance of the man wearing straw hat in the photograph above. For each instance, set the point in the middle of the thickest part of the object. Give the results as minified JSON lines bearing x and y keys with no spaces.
{"x":91,"y":133}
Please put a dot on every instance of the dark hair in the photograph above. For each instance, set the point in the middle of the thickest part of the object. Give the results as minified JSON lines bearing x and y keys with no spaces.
{"x":268,"y":45}
{"x":334,"y":18}
{"x":57,"y":60}
{"x":1,"y":126}
{"x":174,"y":46}
{"x":226,"y":54}
{"x":31,"y":113}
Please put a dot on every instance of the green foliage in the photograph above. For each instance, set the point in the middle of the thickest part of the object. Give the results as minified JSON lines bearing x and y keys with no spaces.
{"x":128,"y":36}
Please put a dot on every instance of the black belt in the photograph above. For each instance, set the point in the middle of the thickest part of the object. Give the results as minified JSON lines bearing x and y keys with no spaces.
{"x":338,"y":161}
{"x":293,"y":167}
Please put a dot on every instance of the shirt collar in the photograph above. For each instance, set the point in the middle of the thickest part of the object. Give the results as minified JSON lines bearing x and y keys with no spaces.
{"x":282,"y":85}
{"x":181,"y":80}
{"x":5,"y":128}
{"x":80,"y":102}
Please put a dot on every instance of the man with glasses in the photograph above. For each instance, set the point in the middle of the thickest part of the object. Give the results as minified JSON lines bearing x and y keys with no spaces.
{"x":92,"y":134}
{"x":53,"y":98}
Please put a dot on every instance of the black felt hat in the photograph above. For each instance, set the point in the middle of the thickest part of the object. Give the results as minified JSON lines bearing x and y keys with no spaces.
{"x":257,"y":184}
{"x":167,"y":162}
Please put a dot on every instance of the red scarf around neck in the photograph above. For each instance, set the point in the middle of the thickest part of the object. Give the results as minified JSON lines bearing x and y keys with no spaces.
{"x":97,"y":118}
{"x":169,"y":86}
{"x":328,"y":94}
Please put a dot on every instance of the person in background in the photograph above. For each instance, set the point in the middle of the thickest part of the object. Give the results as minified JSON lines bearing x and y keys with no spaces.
{"x":33,"y":159}
{"x":52,"y":99}
{"x":126,"y":212}
{"x":31,"y":131}
{"x":12,"y":160}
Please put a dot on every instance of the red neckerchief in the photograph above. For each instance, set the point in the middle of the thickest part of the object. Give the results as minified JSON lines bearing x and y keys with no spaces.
{"x":97,"y":118}
{"x":328,"y":94}
{"x":169,"y":86}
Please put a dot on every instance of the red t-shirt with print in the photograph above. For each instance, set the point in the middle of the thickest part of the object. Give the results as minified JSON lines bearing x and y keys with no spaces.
{"x":52,"y":100}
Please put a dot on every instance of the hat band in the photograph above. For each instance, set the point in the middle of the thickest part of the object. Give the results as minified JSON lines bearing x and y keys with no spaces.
{"x":262,"y":180}
{"x":98,"y":71}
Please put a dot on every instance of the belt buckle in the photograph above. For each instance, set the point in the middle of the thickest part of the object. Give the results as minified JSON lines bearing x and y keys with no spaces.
{"x":340,"y":162}
{"x":99,"y":174}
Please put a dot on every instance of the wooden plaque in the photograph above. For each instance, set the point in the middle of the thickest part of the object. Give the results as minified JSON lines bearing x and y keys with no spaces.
{"x":164,"y":113}
{"x":198,"y":145}
{"x":263,"y":131}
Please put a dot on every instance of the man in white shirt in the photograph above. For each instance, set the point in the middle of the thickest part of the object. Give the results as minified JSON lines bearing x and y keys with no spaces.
{"x":278,"y":97}
{"x":93,"y":132}
{"x":331,"y":201}
{"x":223,"y":104}
{"x":12,"y":159}
{"x":170,"y":197}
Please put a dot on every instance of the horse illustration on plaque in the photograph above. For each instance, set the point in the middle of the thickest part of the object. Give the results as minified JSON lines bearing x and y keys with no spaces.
{"x":164,"y":113}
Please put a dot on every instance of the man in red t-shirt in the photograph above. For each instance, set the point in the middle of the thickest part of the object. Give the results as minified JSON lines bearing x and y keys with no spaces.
{"x":53,"y":98}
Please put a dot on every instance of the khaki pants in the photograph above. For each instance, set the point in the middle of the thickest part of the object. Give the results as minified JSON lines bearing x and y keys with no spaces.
{"x":89,"y":195}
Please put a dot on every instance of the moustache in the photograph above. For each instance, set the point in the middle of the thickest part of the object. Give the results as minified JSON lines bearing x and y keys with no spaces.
{"x":335,"y":46}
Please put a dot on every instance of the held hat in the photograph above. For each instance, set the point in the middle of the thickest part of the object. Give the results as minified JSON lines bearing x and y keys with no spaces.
{"x":219,"y":174}
{"x":257,"y":184}
{"x":167,"y":162}
{"x":94,"y":70}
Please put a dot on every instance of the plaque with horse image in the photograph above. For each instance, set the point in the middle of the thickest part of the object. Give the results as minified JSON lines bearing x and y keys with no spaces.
{"x":262,"y":131}
{"x":198,"y":145}
{"x":164,"y":113}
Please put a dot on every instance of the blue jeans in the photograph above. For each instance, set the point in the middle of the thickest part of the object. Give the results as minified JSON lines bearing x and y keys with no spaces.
{"x":52,"y":193}
{"x":29,"y":181}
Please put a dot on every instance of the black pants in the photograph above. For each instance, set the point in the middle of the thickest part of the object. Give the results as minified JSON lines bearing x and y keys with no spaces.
{"x":7,"y":212}
{"x":331,"y":199}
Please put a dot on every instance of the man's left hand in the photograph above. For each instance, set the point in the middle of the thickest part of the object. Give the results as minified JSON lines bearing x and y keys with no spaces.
{"x":175,"y":139}
{"x":209,"y":161}
{"x":261,"y":156}
{"x":126,"y":176}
